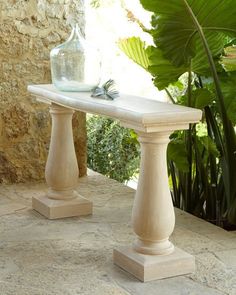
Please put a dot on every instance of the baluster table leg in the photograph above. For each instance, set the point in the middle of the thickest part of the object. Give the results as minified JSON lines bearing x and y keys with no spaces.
{"x":61,"y":171}
{"x":152,"y":255}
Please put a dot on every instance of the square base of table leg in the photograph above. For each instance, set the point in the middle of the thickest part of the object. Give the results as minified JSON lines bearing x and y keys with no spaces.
{"x":54,"y":209}
{"x":153,"y":267}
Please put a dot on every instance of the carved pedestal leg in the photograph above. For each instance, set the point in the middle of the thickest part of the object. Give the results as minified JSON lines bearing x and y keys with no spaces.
{"x":61,"y":171}
{"x":153,"y":256}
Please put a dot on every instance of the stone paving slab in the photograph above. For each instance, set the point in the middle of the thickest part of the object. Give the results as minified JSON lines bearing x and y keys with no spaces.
{"x":74,"y":255}
{"x":10,"y":207}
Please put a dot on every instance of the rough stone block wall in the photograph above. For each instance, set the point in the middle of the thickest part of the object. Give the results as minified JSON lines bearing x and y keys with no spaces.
{"x":29,"y":29}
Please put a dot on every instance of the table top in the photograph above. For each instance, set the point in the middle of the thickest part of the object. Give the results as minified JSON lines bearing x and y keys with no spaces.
{"x":139,"y":113}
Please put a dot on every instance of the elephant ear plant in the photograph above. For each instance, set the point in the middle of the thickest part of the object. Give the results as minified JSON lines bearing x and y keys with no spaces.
{"x":189,"y":60}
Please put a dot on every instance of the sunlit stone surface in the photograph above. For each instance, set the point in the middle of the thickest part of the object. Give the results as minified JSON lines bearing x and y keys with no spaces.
{"x":74,"y":255}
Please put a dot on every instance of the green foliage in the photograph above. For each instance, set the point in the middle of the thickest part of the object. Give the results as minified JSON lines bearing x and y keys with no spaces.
{"x":190,"y":37}
{"x":177,"y":153}
{"x":101,"y":3}
{"x":176,"y":31}
{"x":162,"y":70}
{"x":229,"y":60}
{"x":228,"y":85}
{"x":112,"y":149}
{"x":201,"y":98}
{"x":95,"y":3}
{"x":135,"y":49}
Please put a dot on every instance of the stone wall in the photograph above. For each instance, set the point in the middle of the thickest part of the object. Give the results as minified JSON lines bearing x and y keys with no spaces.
{"x":28,"y":31}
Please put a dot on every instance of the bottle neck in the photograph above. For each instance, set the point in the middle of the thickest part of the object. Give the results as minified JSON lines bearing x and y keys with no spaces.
{"x":76,"y":33}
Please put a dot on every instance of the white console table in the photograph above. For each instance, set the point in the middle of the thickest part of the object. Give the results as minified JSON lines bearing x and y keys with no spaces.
{"x":152,"y":256}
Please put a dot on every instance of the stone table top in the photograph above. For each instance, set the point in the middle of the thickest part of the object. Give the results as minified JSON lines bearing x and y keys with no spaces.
{"x":135,"y":112}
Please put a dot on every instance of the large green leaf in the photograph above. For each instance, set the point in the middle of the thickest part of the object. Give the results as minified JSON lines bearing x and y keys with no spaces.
{"x":161,"y":68}
{"x":201,"y":98}
{"x":209,"y":145}
{"x":165,"y":72}
{"x":151,"y":59}
{"x":228,"y":85}
{"x":178,"y":35}
{"x":135,"y":49}
{"x":178,"y":154}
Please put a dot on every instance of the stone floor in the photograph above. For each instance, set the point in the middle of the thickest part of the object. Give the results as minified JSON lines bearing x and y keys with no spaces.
{"x":74,"y":255}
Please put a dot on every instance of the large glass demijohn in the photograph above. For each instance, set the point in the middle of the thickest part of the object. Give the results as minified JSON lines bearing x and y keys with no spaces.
{"x":75,"y":65}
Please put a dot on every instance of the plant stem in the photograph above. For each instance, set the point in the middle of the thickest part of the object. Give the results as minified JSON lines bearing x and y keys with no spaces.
{"x":170,"y":96}
{"x":213,"y":70}
{"x":189,"y":86}
{"x":189,"y":144}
